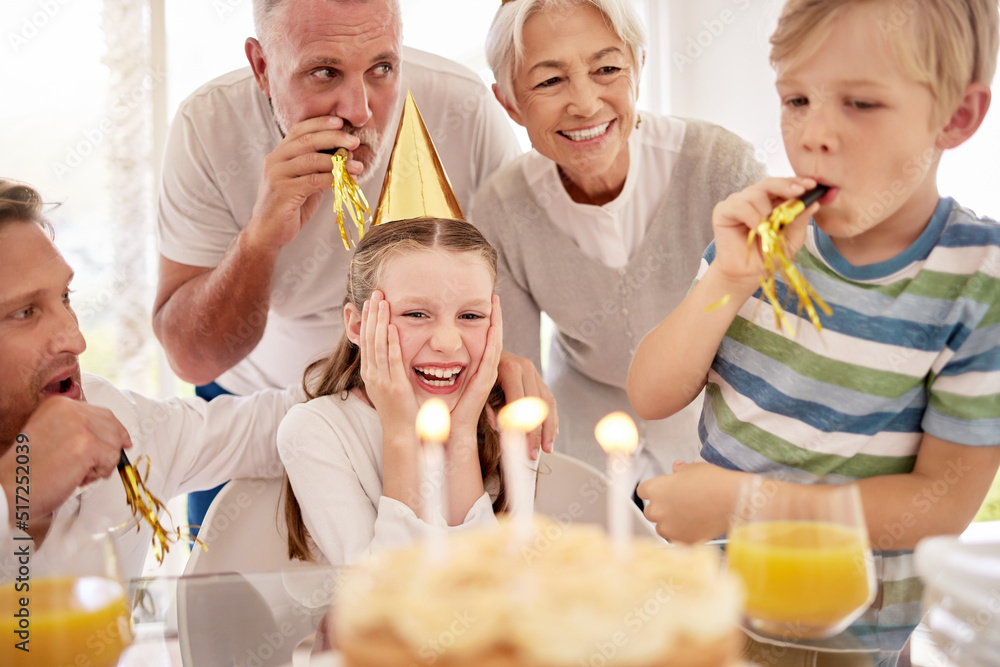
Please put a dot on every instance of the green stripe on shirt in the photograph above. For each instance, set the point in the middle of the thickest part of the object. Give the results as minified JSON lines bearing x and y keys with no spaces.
{"x":818,"y":367}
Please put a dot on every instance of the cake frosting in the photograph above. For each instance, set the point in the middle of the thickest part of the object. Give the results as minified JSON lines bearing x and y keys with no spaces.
{"x":566,"y":597}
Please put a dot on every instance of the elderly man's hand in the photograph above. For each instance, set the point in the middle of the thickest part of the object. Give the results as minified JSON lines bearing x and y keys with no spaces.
{"x":294,"y":179}
{"x":693,"y":504}
{"x":68,"y":444}
{"x":519,"y":378}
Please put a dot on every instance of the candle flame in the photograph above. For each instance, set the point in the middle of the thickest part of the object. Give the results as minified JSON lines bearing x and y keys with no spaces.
{"x":524,"y":414}
{"x":433,"y":421}
{"x":616,"y":432}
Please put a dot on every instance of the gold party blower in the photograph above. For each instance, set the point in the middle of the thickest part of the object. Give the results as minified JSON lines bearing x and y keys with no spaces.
{"x":771,"y":233}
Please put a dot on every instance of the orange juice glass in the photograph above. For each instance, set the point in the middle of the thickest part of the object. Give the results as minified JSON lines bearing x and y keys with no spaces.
{"x":71,"y":621}
{"x":64,"y":604}
{"x":804,"y":558}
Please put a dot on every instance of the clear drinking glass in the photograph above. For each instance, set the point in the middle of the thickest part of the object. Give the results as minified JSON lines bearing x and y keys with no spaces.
{"x":803,"y":555}
{"x":67,"y":603}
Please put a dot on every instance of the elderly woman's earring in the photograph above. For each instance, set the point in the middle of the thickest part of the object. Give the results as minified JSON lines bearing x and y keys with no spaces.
{"x":638,"y":121}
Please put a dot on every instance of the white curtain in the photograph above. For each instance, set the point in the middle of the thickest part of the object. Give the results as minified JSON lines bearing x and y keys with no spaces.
{"x":126,"y":27}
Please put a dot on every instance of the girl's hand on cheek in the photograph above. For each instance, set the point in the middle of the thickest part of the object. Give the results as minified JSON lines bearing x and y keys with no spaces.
{"x":386,"y":381}
{"x":465,"y":416}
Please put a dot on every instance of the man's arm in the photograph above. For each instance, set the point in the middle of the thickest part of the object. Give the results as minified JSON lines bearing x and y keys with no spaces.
{"x":209,"y":319}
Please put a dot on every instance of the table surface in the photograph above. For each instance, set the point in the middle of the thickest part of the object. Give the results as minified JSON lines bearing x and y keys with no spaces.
{"x":269,"y":618}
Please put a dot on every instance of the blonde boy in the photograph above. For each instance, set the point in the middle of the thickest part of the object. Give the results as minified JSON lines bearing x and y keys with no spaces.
{"x":901,"y":390}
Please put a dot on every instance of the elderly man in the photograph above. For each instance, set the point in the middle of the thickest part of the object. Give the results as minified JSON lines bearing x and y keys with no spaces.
{"x":252,"y":268}
{"x":61,"y":429}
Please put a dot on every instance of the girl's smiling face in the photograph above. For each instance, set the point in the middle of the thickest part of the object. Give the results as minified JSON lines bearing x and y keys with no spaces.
{"x":440,"y":302}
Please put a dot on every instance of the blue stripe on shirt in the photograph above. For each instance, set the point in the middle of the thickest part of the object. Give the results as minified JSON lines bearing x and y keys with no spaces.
{"x":890,"y":415}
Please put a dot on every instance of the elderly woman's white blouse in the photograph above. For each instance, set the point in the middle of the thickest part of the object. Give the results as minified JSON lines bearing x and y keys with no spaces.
{"x":611,"y":233}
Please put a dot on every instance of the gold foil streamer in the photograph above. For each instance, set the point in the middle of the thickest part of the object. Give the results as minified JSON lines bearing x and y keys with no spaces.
{"x":146,"y":506}
{"x":771,"y":233}
{"x":347,"y":194}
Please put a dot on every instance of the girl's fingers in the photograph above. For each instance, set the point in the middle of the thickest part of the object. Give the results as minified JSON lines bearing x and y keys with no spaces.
{"x":365,"y":344}
{"x":369,"y":324}
{"x":496,"y":320}
{"x":482,"y":380}
{"x":486,"y":373}
{"x":394,"y":363}
{"x":381,"y":342}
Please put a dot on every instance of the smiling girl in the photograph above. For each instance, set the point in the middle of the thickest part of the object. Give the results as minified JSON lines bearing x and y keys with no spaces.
{"x":421,"y":320}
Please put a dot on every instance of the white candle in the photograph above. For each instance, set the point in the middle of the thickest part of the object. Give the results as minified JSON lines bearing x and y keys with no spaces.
{"x":433,"y":426}
{"x":617,"y":435}
{"x":516,"y":420}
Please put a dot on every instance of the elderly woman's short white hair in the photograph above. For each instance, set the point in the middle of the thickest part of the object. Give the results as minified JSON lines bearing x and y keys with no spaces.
{"x":505,"y":41}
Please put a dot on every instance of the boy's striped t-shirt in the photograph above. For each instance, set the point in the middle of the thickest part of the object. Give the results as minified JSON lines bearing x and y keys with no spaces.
{"x":912,"y":346}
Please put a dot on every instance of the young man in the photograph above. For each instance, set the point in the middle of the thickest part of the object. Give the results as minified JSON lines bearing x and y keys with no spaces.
{"x":62,"y":431}
{"x":901,"y":389}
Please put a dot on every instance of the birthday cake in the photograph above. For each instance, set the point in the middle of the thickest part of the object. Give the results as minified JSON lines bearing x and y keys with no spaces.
{"x":566,"y":597}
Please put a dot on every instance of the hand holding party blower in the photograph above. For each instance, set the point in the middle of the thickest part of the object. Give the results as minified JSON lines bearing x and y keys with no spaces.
{"x":772,"y":246}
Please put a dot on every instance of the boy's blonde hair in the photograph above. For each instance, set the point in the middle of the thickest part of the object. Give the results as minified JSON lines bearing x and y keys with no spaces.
{"x":943,"y":44}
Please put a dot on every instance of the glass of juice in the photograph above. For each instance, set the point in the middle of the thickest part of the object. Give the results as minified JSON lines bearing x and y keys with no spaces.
{"x":802,"y":552}
{"x":66,"y":601}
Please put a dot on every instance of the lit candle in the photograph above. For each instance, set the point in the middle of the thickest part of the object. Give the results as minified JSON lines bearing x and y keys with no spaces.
{"x":617,"y":435}
{"x":516,"y":420}
{"x":433,"y":426}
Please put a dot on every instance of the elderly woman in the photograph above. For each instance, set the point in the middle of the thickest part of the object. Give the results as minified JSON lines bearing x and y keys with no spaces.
{"x":601,"y":226}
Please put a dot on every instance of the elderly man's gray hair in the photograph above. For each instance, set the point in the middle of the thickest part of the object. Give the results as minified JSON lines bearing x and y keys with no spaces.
{"x":505,"y":42}
{"x":266,"y":28}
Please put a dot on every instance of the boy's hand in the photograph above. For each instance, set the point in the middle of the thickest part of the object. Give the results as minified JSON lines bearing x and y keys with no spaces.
{"x":386,"y":381}
{"x":734,"y":217}
{"x":465,"y":416}
{"x":692,"y":505}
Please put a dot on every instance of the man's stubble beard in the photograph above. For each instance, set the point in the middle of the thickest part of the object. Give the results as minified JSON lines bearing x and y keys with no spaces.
{"x":16,"y":411}
{"x":14,"y":414}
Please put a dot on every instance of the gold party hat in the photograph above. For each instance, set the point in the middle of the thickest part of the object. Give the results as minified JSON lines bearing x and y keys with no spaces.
{"x":415,"y":183}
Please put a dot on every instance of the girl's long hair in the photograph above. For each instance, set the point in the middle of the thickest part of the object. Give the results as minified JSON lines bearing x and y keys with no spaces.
{"x":340,"y":372}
